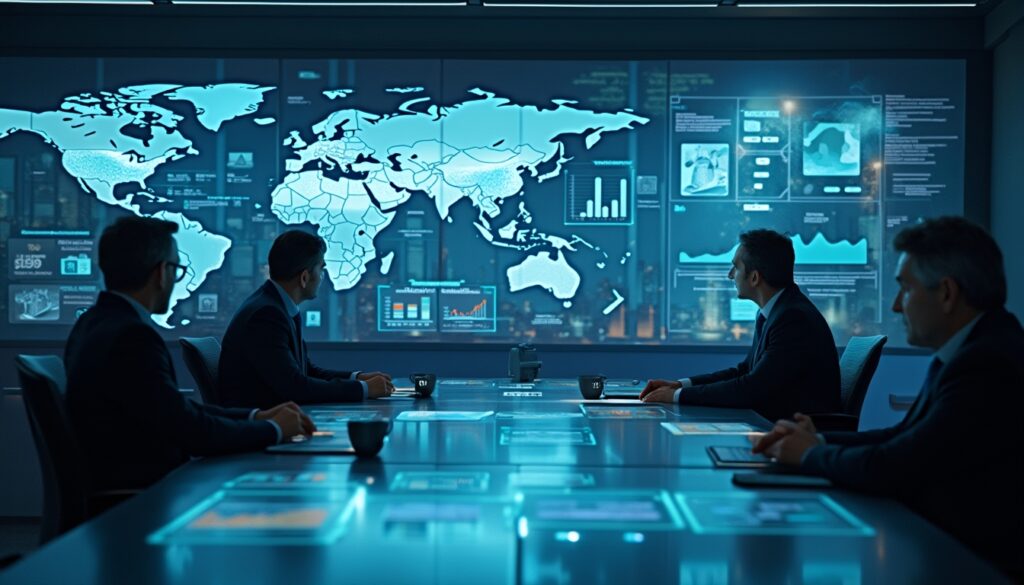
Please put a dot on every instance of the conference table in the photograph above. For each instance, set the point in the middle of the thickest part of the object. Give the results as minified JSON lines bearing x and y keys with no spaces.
{"x":490,"y":481}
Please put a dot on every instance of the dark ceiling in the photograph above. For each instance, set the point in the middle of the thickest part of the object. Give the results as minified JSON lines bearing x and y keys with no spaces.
{"x":695,"y":8}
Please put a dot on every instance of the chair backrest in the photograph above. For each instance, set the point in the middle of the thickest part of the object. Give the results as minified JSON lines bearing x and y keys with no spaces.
{"x":202,"y":357}
{"x":43,"y":382}
{"x":856,"y":368}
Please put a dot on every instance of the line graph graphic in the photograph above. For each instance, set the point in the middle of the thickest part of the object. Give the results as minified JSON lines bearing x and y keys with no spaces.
{"x":468,"y":309}
{"x":479,"y":311}
{"x":819,"y":251}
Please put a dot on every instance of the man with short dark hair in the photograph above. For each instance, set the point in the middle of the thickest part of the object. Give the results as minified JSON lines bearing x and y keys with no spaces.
{"x":264,"y":359}
{"x":955,"y":456}
{"x":792,"y":363}
{"x":123,"y":400}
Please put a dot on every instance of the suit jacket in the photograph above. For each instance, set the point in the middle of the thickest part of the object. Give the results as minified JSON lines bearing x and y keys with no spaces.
{"x":260,"y":360}
{"x":792,"y":367}
{"x":955,"y":457}
{"x":133,"y":424}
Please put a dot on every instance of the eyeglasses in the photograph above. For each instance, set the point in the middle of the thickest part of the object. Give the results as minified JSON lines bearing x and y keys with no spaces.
{"x":180,"y":270}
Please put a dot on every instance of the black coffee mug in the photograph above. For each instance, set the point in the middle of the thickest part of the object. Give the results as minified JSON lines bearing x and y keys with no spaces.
{"x":367,"y":436}
{"x":423,"y":384}
{"x":592,"y":385}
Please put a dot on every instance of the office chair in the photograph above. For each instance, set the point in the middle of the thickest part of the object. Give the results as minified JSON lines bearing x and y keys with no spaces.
{"x":67,"y":499}
{"x":857,"y":366}
{"x":202,"y":358}
{"x":64,"y":484}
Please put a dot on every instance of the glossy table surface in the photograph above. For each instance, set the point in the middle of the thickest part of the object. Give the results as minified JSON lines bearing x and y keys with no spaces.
{"x":539,"y":491}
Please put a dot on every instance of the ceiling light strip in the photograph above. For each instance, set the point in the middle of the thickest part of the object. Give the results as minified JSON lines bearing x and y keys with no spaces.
{"x":526,"y":5}
{"x":106,"y":3}
{"x":285,"y":3}
{"x":861,"y":5}
{"x":229,"y":3}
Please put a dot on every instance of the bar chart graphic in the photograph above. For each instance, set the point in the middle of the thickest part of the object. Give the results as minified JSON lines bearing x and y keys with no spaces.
{"x":469,"y":309}
{"x":599,"y":195}
{"x":406,"y":308}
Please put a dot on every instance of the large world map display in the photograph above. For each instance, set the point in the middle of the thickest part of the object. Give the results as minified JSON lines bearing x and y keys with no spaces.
{"x":477,"y":201}
{"x":348,"y":181}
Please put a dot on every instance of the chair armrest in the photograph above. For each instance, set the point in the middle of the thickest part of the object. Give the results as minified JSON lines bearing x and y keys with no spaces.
{"x":901,"y":401}
{"x":834,"y":421}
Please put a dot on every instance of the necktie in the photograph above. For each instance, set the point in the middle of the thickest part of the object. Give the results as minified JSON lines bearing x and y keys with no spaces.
{"x":297,"y":319}
{"x":758,"y":331}
{"x":922,"y":396}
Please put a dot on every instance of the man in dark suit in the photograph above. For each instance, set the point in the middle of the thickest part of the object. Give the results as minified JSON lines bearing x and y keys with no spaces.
{"x":264,"y":359}
{"x":955,"y":456}
{"x":792,"y":364}
{"x":123,"y":399}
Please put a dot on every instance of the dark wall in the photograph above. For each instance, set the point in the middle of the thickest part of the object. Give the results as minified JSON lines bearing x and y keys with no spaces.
{"x":1007,"y":181}
{"x":485,"y":32}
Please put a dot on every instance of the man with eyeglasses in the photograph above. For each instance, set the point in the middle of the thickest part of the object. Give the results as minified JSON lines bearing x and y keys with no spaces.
{"x":264,"y":358}
{"x":122,"y":394}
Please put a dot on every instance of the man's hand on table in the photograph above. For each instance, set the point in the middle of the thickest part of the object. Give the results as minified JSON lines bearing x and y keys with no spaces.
{"x":789,"y":440}
{"x":367,"y":376}
{"x":374,"y":381}
{"x":289,"y":418}
{"x":660,"y":391}
{"x":378,"y":387}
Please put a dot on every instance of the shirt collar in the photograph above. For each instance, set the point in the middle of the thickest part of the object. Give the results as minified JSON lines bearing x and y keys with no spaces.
{"x":766,"y":310}
{"x":952,"y":345}
{"x":143,"y":312}
{"x":289,"y":304}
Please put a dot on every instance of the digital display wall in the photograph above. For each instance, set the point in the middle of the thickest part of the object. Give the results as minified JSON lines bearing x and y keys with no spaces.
{"x":478,"y":201}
